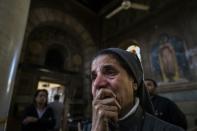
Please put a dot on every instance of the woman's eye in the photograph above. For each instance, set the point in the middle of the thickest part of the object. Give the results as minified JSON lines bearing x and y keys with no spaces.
{"x":110,"y":71}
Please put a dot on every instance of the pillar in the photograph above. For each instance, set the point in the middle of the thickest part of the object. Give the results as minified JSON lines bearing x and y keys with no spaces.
{"x":13,"y":14}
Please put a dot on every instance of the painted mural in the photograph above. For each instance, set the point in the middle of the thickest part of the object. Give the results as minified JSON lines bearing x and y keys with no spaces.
{"x":169,"y":61}
{"x":192,"y":53}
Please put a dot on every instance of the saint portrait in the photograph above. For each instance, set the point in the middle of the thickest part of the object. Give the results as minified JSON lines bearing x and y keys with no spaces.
{"x":168,"y":60}
{"x":168,"y":63}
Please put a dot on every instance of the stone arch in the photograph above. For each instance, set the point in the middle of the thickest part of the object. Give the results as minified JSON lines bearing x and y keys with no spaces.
{"x":47,"y":16}
{"x":42,"y":16}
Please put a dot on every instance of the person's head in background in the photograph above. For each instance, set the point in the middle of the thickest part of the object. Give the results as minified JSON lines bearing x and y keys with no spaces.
{"x":41,"y":98}
{"x":56,"y":97}
{"x":151,"y":86}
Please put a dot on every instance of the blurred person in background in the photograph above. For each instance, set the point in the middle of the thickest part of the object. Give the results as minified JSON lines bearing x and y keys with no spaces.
{"x":38,"y":116}
{"x":165,"y":109}
{"x":58,"y":108}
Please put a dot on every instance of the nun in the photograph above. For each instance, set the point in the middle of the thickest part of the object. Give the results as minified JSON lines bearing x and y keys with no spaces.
{"x":120,"y":101}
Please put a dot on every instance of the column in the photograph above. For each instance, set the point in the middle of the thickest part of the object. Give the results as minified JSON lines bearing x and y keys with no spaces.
{"x":13,"y":15}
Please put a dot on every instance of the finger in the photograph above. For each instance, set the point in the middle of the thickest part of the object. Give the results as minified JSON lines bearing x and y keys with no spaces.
{"x":104,"y":93}
{"x":118,"y":105}
{"x":104,"y":114}
{"x":108,"y":101}
{"x":106,"y":107}
{"x":26,"y":120}
{"x":104,"y":111}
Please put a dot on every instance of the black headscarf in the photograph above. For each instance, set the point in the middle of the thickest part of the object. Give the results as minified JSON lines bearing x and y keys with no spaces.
{"x":134,"y":65}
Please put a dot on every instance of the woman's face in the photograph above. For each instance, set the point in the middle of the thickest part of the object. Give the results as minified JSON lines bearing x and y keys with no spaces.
{"x":41,"y":98}
{"x":107,"y":73}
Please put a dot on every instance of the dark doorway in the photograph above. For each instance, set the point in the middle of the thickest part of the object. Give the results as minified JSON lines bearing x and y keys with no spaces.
{"x":54,"y":59}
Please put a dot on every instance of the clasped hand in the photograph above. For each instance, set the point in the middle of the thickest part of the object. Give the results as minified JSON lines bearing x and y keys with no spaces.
{"x":29,"y":119}
{"x":105,"y":108}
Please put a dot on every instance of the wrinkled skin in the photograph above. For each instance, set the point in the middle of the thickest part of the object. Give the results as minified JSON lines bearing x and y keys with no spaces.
{"x":112,"y":90}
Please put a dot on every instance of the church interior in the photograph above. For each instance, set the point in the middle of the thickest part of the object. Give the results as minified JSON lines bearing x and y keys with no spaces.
{"x":47,"y":44}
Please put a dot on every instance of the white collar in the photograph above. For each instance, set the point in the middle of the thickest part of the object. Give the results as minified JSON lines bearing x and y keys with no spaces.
{"x":40,"y":112}
{"x":133,"y":109}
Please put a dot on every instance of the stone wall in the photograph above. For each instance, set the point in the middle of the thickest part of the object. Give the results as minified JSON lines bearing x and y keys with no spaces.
{"x":56,"y":26}
{"x":173,"y":30}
